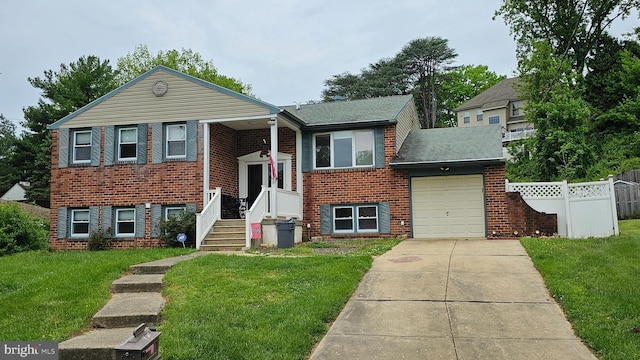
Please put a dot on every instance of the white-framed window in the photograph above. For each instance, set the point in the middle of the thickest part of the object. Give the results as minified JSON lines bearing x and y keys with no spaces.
{"x":173,"y":211}
{"x":81,"y":146}
{"x":466,"y":117}
{"x":479,"y":115}
{"x":515,"y":108}
{"x":125,"y":222}
{"x":494,"y":120}
{"x":127,"y":143}
{"x":79,"y":223}
{"x":344,"y":149}
{"x":176,"y":141}
{"x":355,"y":219}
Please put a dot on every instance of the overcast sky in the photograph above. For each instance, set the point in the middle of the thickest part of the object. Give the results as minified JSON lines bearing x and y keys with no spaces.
{"x":283,"y":49}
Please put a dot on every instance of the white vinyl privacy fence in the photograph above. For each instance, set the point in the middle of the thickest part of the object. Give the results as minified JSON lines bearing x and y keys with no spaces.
{"x":583,"y":209}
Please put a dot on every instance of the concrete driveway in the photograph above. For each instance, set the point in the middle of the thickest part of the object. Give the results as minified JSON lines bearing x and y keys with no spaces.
{"x":452,"y":299}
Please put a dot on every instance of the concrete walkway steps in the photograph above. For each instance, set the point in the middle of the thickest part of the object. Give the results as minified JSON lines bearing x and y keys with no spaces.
{"x":136,"y":299}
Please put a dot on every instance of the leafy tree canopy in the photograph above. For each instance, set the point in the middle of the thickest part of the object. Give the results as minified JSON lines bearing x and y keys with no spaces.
{"x":571,"y":28}
{"x":187,"y":61}
{"x":421,"y":69}
{"x":62,"y":92}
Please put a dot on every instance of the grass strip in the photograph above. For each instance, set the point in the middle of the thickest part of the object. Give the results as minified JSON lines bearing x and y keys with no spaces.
{"x":258,"y":307}
{"x":53,"y":295}
{"x":595,"y":281}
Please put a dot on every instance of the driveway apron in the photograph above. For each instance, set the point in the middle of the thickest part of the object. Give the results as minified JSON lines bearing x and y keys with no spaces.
{"x":452,"y":299}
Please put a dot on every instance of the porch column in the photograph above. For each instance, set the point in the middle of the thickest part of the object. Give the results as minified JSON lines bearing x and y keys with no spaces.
{"x":273,"y":122}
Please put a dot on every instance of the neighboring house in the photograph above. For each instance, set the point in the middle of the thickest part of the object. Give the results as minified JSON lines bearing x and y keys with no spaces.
{"x":18,"y":192}
{"x":499,"y":105}
{"x":167,"y":141}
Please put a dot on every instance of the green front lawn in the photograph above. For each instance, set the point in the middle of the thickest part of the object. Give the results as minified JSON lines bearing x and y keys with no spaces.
{"x":596,"y":282}
{"x":51,"y":296}
{"x":276,"y":304}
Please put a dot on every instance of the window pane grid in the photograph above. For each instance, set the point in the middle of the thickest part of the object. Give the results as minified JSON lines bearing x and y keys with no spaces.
{"x":344,"y":149}
{"x":127,"y":144}
{"x":176,"y":141}
{"x":80,"y":223}
{"x":125,"y":222}
{"x":81,"y":146}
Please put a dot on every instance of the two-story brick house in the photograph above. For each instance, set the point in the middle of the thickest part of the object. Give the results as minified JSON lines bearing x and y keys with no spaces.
{"x":166,"y":142}
{"x":501,"y":105}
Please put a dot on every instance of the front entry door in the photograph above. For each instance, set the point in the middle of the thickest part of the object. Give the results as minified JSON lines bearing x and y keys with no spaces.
{"x":255,"y":180}
{"x":254,"y":172}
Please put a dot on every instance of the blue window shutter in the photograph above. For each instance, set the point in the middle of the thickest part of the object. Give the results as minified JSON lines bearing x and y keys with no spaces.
{"x":93,"y":218}
{"x":62,"y":223}
{"x":384,"y":217}
{"x":192,"y":140}
{"x":156,"y":216}
{"x":379,"y":146}
{"x":95,"y":145}
{"x":325,"y":219}
{"x":156,"y":143}
{"x":63,"y":148}
{"x":109,"y":145}
{"x":307,"y":152}
{"x":142,"y":144}
{"x":140,"y":217}
{"x":107,"y":215}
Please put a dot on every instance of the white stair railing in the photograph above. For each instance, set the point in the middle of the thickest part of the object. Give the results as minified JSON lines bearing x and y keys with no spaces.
{"x":208,"y":216}
{"x":256,"y":213}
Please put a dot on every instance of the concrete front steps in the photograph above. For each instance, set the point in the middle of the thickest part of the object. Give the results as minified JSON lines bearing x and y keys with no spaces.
{"x":136,"y":299}
{"x":226,"y":235}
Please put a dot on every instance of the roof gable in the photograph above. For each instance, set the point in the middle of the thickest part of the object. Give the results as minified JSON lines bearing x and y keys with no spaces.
{"x":365,"y":111}
{"x":423,"y":147}
{"x":134,"y":101}
{"x":501,"y":93}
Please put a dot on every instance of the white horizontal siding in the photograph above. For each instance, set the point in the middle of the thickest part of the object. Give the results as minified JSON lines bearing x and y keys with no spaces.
{"x":185,"y":100}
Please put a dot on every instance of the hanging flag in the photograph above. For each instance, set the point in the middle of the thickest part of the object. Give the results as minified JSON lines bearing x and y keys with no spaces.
{"x":274,"y":169}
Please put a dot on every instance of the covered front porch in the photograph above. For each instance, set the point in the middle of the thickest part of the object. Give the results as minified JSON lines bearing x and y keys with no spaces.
{"x":252,"y":173}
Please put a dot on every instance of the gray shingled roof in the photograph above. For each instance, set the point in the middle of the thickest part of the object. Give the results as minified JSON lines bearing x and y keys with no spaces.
{"x":353,"y":111}
{"x":502,"y":92}
{"x":476,"y":144}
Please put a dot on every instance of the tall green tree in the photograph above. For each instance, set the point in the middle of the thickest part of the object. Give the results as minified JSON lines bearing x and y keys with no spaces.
{"x":62,"y":92}
{"x":459,"y":86}
{"x":186,"y":61}
{"x":560,"y":149}
{"x":424,"y":61}
{"x":8,"y":139}
{"x":572,"y":28}
{"x":422,"y":68}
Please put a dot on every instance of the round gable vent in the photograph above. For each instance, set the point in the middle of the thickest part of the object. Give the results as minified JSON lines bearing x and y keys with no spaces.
{"x":160,"y":88}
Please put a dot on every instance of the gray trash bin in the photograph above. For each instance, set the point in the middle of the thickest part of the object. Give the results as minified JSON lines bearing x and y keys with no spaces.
{"x":286,"y":231}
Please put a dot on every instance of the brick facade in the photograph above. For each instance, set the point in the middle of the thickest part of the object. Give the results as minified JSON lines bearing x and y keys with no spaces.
{"x":358,"y":186}
{"x":122,"y":185}
{"x":527,"y":221}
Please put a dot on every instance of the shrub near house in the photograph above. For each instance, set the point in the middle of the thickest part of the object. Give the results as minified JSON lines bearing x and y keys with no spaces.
{"x":19,"y":231}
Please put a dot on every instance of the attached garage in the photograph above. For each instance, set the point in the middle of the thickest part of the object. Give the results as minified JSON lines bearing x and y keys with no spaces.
{"x":448,"y":181}
{"x":448,"y":206}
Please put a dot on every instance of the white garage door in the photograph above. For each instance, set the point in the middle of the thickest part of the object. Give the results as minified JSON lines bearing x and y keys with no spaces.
{"x":448,"y":206}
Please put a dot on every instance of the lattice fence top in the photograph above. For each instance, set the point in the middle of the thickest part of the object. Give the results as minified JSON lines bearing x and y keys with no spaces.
{"x":589,"y":191}
{"x":536,"y":190}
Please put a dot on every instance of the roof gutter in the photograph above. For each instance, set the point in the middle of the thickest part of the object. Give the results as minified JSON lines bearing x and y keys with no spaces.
{"x":347,"y":125}
{"x":427,"y":164}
